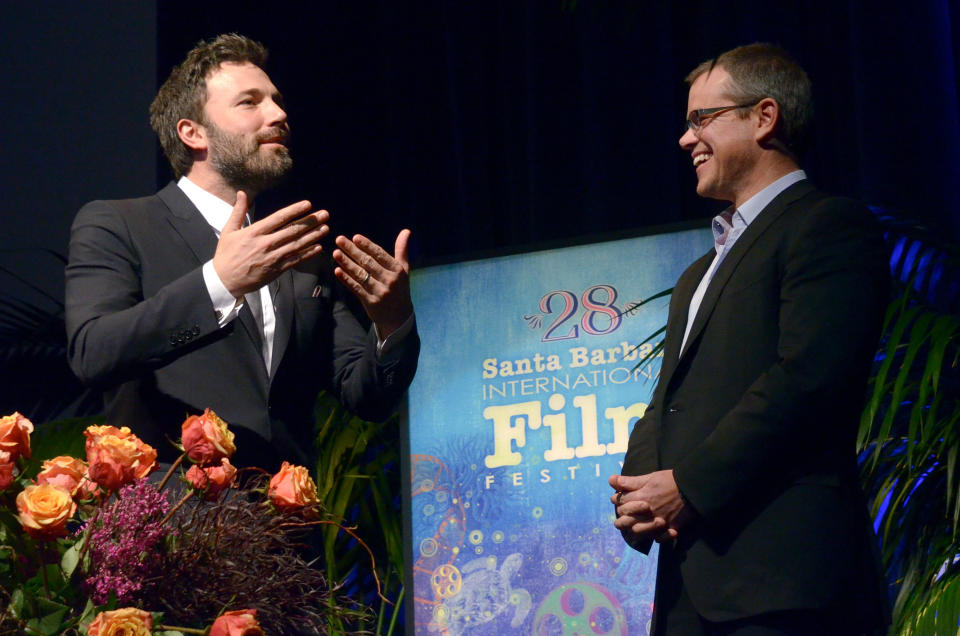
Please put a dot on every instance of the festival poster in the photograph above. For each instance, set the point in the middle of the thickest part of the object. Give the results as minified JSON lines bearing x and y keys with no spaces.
{"x":527,"y":389}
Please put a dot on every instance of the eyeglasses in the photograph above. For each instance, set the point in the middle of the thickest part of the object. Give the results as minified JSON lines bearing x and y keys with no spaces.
{"x":699,"y":117}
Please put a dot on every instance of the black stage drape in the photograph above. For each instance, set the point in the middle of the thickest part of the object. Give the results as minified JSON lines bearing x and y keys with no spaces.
{"x":497,"y":124}
{"x":481,"y":125}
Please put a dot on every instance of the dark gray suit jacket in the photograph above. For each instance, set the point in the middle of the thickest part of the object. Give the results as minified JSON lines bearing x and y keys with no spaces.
{"x":757,"y":417}
{"x":141,"y":325}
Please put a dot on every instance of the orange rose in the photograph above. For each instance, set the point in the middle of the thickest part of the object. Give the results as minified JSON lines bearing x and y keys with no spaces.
{"x":212,"y":480}
{"x":292,"y":488}
{"x":128,"y":621}
{"x":237,"y":623}
{"x":45,"y":510}
{"x":6,"y":470}
{"x":117,"y":456}
{"x":206,"y":438}
{"x":15,"y":435}
{"x":66,"y":472}
{"x":88,"y":489}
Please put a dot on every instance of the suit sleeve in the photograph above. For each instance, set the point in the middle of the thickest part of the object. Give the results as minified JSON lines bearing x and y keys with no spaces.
{"x":113,"y":331}
{"x":370,"y":386}
{"x":833,"y":286}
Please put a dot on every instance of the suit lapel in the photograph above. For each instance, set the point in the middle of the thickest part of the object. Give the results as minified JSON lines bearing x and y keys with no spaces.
{"x":755,"y":230}
{"x":189,"y":223}
{"x":283,"y":302}
{"x":202,"y":241}
{"x":680,"y":309}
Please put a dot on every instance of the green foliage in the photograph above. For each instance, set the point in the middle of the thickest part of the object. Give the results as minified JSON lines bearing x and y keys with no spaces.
{"x":657,"y":351}
{"x":358,"y":481}
{"x":910,"y":441}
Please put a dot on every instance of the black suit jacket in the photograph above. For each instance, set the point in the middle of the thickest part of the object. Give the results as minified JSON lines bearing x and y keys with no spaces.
{"x":140,"y":323}
{"x":757,"y":417}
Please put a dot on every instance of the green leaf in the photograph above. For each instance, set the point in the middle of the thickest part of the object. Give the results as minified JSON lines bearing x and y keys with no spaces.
{"x":16,"y":603}
{"x":51,"y":619}
{"x":71,"y":558}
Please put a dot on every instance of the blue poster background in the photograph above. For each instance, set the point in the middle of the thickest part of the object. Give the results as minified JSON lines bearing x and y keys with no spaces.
{"x":526,"y":392}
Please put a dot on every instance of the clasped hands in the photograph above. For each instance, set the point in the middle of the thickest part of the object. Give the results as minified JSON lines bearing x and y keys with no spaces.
{"x":649,"y":506}
{"x":247,"y":258}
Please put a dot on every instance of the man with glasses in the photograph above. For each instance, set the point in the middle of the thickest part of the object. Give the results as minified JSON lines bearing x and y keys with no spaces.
{"x":743,"y":467}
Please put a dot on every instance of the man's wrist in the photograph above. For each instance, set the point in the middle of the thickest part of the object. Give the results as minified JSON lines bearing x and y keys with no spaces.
{"x":394,"y":337}
{"x":225,"y":305}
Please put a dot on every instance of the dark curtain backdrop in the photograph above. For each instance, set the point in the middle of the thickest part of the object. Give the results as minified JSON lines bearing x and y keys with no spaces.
{"x":481,"y":125}
{"x":493,"y":125}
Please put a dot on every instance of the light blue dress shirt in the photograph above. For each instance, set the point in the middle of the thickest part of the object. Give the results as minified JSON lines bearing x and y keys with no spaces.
{"x":727,"y":228}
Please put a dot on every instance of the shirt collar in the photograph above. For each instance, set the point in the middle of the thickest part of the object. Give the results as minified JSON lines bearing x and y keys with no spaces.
{"x":213,"y":209}
{"x":750,"y":209}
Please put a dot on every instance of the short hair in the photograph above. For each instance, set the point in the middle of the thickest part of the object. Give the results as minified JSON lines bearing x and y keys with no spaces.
{"x":184,"y":93}
{"x":763,"y":70}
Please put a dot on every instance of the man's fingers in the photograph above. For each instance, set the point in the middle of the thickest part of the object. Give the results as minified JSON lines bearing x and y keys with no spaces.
{"x":655,"y":525}
{"x":282,"y":217}
{"x":668,"y":536}
{"x":367,"y":248}
{"x":365,"y":253}
{"x":401,"y":249}
{"x":351,"y":284}
{"x":293,"y":232}
{"x":295,"y":244}
{"x":647,"y":526}
{"x":300,"y":256}
{"x":634,"y":508}
{"x":238,"y":214}
{"x":626,"y":482}
{"x":352,"y":269}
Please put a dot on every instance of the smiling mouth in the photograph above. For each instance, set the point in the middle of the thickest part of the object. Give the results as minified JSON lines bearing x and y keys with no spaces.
{"x":701,"y":158}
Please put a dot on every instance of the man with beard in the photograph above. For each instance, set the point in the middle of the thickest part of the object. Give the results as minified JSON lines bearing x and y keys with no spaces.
{"x":182,"y":301}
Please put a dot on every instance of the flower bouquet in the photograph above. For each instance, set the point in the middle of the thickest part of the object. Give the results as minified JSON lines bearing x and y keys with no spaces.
{"x":104,"y":546}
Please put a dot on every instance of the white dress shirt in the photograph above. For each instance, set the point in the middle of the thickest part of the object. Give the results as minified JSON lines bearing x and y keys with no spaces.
{"x":216,"y":212}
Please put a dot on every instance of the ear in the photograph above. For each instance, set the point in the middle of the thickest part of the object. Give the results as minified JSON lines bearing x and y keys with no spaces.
{"x":769,"y":118}
{"x":192,"y":134}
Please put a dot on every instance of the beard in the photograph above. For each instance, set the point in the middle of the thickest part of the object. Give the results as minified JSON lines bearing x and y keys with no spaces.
{"x":242,"y":165}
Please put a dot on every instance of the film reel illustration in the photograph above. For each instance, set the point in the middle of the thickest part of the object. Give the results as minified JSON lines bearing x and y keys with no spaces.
{"x":580,"y":609}
{"x":439,"y":518}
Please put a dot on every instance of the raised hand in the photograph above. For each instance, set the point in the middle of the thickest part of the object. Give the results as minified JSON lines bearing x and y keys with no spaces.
{"x":380,"y":281}
{"x":247,"y":258}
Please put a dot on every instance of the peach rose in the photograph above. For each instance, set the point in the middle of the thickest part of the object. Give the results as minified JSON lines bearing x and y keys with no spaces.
{"x":206,"y":438}
{"x":15,"y":435}
{"x":117,"y":456}
{"x":88,"y":490}
{"x":128,"y":621}
{"x":212,"y":480}
{"x":7,"y":466}
{"x":237,"y":623}
{"x":292,"y":489}
{"x":67,"y":472}
{"x":45,"y":510}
